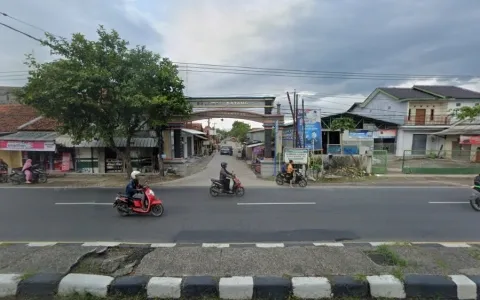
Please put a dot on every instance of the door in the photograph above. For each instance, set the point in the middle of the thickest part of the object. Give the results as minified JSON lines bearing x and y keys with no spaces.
{"x":189,"y":146}
{"x":419,"y":144}
{"x":420,"y":116}
{"x":461,"y":152}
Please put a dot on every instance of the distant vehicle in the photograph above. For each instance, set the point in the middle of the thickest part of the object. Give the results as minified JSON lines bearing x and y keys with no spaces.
{"x":226,"y":150}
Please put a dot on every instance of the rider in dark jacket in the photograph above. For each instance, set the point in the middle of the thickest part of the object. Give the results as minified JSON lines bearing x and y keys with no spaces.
{"x":224,"y":177}
{"x":133,"y":186}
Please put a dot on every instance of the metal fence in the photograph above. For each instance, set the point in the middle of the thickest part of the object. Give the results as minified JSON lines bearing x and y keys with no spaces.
{"x":441,"y":162}
{"x":379,"y":162}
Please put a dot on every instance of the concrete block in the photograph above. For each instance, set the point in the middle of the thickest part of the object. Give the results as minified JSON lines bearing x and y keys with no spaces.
{"x":129,"y":286}
{"x":199,"y":286}
{"x":96,"y":285}
{"x":271,"y":288}
{"x":40,"y":285}
{"x":466,"y":288}
{"x":311,"y":287}
{"x":386,"y":286}
{"x":430,"y":286}
{"x":9,"y":284}
{"x":164,"y":288}
{"x":236,"y":287}
{"x":348,"y":286}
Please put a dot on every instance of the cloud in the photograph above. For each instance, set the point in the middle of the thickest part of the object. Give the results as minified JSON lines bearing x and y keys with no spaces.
{"x":377,"y":36}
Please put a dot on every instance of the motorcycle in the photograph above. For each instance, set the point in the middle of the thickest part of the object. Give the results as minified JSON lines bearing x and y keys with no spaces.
{"x":298,"y":179}
{"x":4,"y":175}
{"x":148,"y":205}
{"x":475,"y":198}
{"x":18,"y":177}
{"x":217,"y":189}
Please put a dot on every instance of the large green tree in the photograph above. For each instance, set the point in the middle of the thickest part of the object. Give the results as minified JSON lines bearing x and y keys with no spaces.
{"x":239,"y":130}
{"x":103,"y":89}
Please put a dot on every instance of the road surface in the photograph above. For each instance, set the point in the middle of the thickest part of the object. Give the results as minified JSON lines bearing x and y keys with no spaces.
{"x":264,"y":215}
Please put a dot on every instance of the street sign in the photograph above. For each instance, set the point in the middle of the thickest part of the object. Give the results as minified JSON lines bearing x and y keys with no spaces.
{"x":298,"y":155}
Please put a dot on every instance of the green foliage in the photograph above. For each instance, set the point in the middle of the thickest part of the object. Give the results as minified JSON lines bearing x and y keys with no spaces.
{"x":343,"y":123}
{"x":103,"y":89}
{"x":468,"y":113}
{"x":239,"y":130}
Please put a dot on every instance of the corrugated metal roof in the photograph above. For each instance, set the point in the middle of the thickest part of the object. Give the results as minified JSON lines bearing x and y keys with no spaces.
{"x":192,"y":131}
{"x":31,"y":136}
{"x":406,"y":93}
{"x":201,"y":137}
{"x":449,"y":91}
{"x":255,"y":145}
{"x":136,"y":142}
{"x":460,"y":130}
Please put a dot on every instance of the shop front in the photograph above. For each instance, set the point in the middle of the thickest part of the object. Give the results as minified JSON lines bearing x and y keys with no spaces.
{"x":40,"y":147}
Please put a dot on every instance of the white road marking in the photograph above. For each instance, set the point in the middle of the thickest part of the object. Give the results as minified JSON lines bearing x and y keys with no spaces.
{"x":100,"y":244}
{"x":213,"y":245}
{"x":270,"y":245}
{"x":83,"y":203}
{"x":446,"y":202}
{"x":41,"y":244}
{"x":163,"y":245}
{"x":455,"y":245}
{"x":329,"y":244}
{"x":276,"y":203}
{"x":376,"y":244}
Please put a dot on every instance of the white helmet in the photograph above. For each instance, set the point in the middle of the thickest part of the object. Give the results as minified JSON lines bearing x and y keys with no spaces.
{"x":134,"y":174}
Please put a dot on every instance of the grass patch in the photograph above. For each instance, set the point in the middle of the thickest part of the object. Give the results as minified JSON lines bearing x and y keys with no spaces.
{"x":384,"y":256}
{"x":474,"y":253}
{"x":27,"y":275}
{"x":360,"y":277}
{"x":398,"y":272}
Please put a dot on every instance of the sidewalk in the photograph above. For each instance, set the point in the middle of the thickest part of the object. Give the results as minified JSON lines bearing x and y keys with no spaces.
{"x":305,"y":272}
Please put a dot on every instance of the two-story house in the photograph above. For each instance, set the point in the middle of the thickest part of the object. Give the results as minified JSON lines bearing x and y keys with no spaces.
{"x":420,"y":112}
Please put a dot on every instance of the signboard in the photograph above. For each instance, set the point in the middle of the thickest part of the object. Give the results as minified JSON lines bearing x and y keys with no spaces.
{"x":360,"y":134}
{"x":27,"y":146}
{"x":469,"y":140}
{"x":298,"y":155}
{"x":313,"y":129}
{"x":385,"y":134}
{"x":287,"y":134}
{"x":229,"y":103}
{"x":66,"y":160}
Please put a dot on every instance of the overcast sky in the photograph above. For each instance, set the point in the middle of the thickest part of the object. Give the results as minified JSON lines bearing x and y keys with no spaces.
{"x":426,"y":37}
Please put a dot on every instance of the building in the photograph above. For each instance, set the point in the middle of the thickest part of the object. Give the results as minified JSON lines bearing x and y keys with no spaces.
{"x":420,"y":112}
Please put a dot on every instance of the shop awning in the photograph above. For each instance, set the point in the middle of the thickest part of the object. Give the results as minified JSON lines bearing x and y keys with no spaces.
{"x":29,"y":141}
{"x":255,"y":145}
{"x":136,"y":142}
{"x":201,"y":137}
{"x":193,"y":131}
{"x":473,"y":129}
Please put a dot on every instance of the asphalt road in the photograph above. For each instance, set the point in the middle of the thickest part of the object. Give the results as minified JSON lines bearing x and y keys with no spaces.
{"x":192,"y":216}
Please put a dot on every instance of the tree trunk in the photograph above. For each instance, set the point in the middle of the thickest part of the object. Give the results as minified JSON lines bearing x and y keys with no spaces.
{"x":125,"y":156}
{"x":161,"y":166}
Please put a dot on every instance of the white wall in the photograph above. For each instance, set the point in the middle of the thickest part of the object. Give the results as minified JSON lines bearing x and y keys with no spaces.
{"x":385,"y":108}
{"x":452,"y":106}
{"x":405,"y":139}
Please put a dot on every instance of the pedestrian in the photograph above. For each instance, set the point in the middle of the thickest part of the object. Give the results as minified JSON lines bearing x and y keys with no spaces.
{"x":27,"y":171}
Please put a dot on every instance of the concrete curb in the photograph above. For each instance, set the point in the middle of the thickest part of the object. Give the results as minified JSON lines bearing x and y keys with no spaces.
{"x":241,"y":287}
{"x":244,"y":245}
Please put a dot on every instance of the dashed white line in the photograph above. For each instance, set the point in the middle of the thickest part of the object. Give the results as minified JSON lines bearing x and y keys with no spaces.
{"x":276,"y":203}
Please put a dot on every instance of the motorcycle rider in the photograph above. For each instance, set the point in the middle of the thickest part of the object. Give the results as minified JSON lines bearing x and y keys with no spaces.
{"x":224,"y":178}
{"x":290,"y":170}
{"x":133,"y":187}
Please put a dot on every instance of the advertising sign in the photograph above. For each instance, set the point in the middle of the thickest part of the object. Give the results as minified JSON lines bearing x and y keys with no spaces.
{"x":27,"y":146}
{"x":360,"y":134}
{"x":385,"y":134}
{"x":469,"y":140}
{"x":313,"y":129}
{"x":298,"y":155}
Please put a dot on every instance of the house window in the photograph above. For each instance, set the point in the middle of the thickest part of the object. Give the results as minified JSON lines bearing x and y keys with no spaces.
{"x":459,"y":104}
{"x":409,"y":114}
{"x":432,"y":114}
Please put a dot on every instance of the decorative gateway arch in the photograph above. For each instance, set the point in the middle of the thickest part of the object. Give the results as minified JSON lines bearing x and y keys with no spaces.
{"x":234,"y":108}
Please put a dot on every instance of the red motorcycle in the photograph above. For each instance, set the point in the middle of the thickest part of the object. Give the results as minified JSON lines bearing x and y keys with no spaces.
{"x":149,"y":204}
{"x":217,"y":187}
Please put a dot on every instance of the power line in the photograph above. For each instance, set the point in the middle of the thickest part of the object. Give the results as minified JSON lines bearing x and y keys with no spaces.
{"x":23,"y":22}
{"x":21,"y":32}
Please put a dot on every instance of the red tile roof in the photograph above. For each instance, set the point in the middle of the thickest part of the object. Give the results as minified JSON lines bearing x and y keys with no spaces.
{"x":13,"y":116}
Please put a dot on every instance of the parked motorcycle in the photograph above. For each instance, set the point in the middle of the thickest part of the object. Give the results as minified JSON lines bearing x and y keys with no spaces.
{"x":298,"y":176}
{"x":149,"y":204}
{"x":216,"y":188}
{"x":38,"y":175}
{"x":4,"y":175}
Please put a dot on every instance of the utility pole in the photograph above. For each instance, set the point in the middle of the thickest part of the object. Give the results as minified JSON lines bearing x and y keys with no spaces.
{"x":297,"y":134}
{"x":303,"y":122}
{"x":295,"y":108}
{"x":293,"y":117}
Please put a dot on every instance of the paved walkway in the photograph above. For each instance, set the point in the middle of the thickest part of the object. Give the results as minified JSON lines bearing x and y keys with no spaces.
{"x":212,"y":170}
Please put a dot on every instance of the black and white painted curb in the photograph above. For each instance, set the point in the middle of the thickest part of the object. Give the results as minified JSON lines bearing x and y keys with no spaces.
{"x":241,"y":245}
{"x":189,"y":287}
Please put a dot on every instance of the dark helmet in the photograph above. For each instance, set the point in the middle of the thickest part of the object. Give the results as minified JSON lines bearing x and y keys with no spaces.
{"x":223,"y":165}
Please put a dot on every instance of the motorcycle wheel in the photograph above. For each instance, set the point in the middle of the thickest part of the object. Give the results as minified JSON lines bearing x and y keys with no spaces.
{"x":157,"y":210}
{"x":302,"y":182}
{"x":279,"y":180}
{"x":15,"y":180}
{"x":42,"y":178}
{"x":121,"y":209}
{"x":240,"y":192}
{"x":213,"y":191}
{"x":475,"y":203}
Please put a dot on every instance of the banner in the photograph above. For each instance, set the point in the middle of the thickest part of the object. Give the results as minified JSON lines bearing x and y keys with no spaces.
{"x":27,"y":146}
{"x":469,"y":140}
{"x":298,"y":155}
{"x":313,"y":129}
